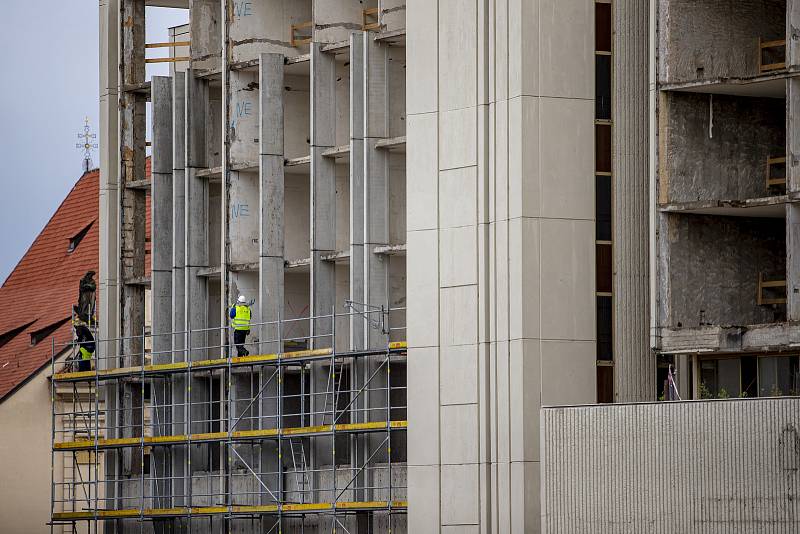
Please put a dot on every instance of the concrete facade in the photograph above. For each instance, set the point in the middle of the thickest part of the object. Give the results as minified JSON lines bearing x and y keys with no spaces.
{"x":724,"y":181}
{"x":501,"y":230}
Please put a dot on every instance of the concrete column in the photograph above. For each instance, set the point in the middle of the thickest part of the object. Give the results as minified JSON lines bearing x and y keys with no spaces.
{"x":178,"y":214}
{"x":196,"y":212}
{"x":271,"y":238}
{"x":357,"y":80}
{"x":162,"y":212}
{"x":792,"y":33}
{"x":323,"y":191}
{"x":161,"y":292}
{"x":376,"y":173}
{"x":109,"y":199}
{"x":204,"y":27}
{"x":133,"y":221}
{"x":196,"y":244}
{"x":178,"y":382}
{"x":792,"y":135}
{"x":634,"y":363}
{"x":793,"y":262}
{"x":271,"y":291}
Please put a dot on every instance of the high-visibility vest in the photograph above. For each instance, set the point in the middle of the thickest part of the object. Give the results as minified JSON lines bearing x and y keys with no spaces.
{"x":85,"y":353}
{"x":241,"y":320}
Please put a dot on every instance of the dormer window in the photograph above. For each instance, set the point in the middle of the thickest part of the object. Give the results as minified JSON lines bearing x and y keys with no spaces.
{"x":75,"y":240}
{"x":40,"y":335}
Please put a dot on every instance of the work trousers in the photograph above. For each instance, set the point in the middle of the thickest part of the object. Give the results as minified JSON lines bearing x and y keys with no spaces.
{"x":239,"y":337}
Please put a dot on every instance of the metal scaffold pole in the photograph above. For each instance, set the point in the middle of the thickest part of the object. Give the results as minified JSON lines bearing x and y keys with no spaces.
{"x":52,"y":429}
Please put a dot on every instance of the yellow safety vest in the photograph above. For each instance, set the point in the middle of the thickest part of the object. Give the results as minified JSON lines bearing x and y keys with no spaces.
{"x":242,"y":319}
{"x":85,"y":354}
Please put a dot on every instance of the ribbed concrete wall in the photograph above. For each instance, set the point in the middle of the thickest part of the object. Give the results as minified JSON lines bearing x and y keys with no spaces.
{"x":634,"y":371}
{"x":717,"y":466}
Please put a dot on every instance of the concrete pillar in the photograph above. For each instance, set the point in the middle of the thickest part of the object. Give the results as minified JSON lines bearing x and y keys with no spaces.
{"x":109,"y":200}
{"x":162,"y":212}
{"x":271,"y":291}
{"x":178,"y":215}
{"x":792,"y":33}
{"x":323,"y":191}
{"x":792,"y":135}
{"x":196,"y":245}
{"x":178,"y":382}
{"x":271,"y":240}
{"x":793,"y":262}
{"x":161,"y":277}
{"x":196,"y":212}
{"x":793,"y":172}
{"x":323,"y":234}
{"x":376,"y":173}
{"x":634,"y":363}
{"x":133,"y":222}
{"x":204,"y":27}
{"x":357,"y":322}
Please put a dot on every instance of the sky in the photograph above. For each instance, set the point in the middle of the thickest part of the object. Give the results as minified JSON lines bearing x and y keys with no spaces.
{"x":49,"y":83}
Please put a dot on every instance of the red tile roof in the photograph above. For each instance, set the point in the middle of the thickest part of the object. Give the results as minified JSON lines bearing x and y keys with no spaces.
{"x":39,"y":293}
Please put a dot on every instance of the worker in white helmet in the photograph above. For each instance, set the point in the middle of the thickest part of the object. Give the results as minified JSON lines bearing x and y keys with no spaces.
{"x":240,"y":320}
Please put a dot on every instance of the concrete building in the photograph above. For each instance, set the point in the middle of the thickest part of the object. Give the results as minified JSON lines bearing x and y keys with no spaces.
{"x":726,"y":234}
{"x":447,"y":215}
{"x":723,"y":298}
{"x":493,"y":276}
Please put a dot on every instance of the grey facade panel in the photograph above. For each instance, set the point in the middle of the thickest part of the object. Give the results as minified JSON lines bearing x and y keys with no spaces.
{"x":717,"y":466}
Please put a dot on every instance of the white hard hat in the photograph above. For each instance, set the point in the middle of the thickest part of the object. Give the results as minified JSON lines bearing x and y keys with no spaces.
{"x":242,"y":299}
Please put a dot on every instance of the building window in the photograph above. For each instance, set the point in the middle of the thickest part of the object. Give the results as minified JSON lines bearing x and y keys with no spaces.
{"x":604,"y":249}
{"x":602,"y":86}
{"x":602,"y":207}
{"x":749,"y":376}
{"x":605,"y":348}
{"x":75,"y":240}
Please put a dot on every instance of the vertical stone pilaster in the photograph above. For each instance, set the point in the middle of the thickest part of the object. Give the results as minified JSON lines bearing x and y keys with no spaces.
{"x":634,"y":363}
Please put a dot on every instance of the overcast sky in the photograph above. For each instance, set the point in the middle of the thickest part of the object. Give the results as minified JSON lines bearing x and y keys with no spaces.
{"x":49,"y":84}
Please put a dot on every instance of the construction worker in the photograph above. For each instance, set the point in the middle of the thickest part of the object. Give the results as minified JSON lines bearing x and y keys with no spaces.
{"x":240,"y":320}
{"x":86,"y":347}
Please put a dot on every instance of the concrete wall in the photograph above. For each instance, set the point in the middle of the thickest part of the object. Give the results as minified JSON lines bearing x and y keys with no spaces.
{"x":500,"y":230}
{"x":719,"y":154}
{"x":698,"y":466}
{"x":713,"y":265}
{"x":707,"y":39}
{"x":25,"y":457}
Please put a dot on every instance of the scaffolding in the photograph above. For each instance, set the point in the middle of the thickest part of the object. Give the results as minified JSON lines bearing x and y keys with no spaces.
{"x":298,"y":437}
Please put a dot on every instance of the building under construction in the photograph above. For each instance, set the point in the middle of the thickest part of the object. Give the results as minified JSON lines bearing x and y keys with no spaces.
{"x":277,"y":172}
{"x":594,"y":193}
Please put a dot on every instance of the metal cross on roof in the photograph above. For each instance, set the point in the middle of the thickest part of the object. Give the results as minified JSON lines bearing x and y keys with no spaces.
{"x":87,"y":145}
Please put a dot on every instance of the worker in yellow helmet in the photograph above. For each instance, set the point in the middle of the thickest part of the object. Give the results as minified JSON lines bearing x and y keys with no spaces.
{"x":240,"y":320}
